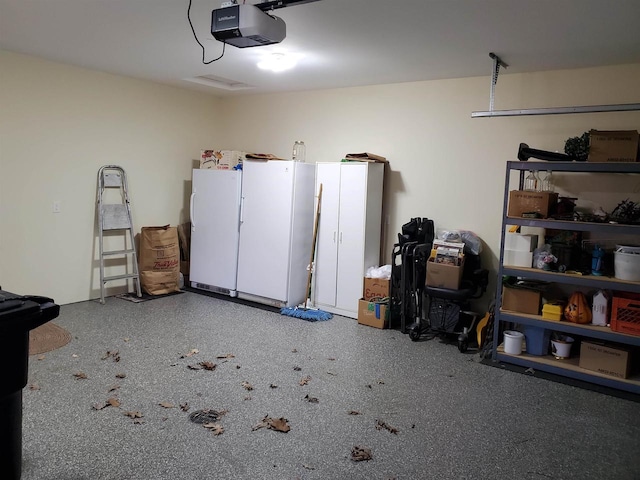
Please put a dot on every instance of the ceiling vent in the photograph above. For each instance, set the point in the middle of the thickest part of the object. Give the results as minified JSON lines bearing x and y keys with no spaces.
{"x":219,"y":82}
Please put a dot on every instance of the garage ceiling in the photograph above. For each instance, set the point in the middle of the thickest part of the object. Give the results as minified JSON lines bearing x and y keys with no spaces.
{"x":342,"y":43}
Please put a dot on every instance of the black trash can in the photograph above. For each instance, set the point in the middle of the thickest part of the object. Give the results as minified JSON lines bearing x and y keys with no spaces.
{"x":18,"y":315}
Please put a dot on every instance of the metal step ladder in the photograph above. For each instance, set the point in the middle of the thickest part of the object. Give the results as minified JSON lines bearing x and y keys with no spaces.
{"x":115,"y":217}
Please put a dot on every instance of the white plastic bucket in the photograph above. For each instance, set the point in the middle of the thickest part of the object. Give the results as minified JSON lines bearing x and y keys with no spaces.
{"x":627,"y":263}
{"x":513,"y":342}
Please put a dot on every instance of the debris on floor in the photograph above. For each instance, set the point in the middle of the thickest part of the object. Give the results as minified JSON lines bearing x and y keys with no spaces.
{"x":215,"y":428}
{"x":358,"y":454}
{"x":191,"y":353}
{"x":310,"y":399}
{"x":305,"y":380}
{"x":112,"y":402}
{"x":278,"y":424}
{"x":80,"y":375}
{"x":247,"y":386}
{"x":115,"y":354}
{"x":381,"y":424}
{"x":207,"y":415}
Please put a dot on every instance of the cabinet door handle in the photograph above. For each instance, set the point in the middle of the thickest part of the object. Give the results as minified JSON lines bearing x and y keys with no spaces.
{"x":334,"y":237}
{"x":340,"y":238}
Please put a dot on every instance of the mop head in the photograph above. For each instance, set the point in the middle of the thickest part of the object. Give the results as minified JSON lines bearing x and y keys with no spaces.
{"x":308,"y":314}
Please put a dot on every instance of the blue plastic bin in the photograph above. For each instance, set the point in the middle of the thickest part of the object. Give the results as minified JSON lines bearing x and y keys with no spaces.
{"x":537,"y":340}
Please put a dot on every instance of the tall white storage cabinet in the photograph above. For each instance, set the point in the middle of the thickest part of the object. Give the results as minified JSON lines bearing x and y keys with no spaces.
{"x":348,"y":233}
{"x":276,"y":230}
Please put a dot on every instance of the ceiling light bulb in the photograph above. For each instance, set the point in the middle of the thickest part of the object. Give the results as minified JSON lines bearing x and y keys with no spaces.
{"x":277,"y":62}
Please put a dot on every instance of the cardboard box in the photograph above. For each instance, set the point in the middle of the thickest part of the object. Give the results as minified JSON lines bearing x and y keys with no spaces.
{"x":515,"y":258}
{"x":373,"y":314}
{"x":521,"y":300}
{"x":221,"y":159}
{"x":375,"y":288}
{"x":613,"y":146}
{"x":442,"y":275}
{"x":520,"y":242}
{"x":605,"y":359}
{"x":523,"y":201}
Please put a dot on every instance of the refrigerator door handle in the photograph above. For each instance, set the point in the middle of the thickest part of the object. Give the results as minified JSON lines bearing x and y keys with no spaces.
{"x":193,"y":223}
{"x":241,"y":208}
{"x":334,"y":236}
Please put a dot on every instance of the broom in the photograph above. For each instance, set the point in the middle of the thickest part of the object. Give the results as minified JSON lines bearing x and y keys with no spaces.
{"x":301,"y":311}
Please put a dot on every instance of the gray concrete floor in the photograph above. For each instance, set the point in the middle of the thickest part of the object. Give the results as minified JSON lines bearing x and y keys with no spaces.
{"x":455,"y":418}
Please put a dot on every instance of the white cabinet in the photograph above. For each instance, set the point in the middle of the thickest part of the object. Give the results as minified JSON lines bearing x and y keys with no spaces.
{"x":348,"y":233}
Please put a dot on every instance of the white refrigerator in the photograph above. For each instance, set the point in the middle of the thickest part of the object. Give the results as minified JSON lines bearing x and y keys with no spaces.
{"x":215,"y":230}
{"x":254,"y":242}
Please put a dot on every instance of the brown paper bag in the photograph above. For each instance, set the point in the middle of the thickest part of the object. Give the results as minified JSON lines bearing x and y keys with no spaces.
{"x":159,"y":260}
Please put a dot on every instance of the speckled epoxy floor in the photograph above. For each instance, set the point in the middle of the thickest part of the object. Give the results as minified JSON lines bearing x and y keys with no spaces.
{"x":455,"y":418}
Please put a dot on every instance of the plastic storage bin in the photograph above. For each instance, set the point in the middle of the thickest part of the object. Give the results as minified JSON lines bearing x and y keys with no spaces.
{"x":537,"y":340}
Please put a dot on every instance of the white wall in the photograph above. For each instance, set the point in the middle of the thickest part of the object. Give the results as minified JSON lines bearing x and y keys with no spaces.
{"x":443,"y":164}
{"x":58,"y":125}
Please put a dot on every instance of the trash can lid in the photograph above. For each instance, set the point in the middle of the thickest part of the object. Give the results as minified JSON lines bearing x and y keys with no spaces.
{"x":21,"y":313}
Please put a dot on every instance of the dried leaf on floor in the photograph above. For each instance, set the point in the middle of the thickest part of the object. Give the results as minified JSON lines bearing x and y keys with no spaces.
{"x":166,"y":405}
{"x":215,"y":428}
{"x":100,"y":406}
{"x":332,"y":373}
{"x":226,"y":355}
{"x":114,"y":402}
{"x":297,"y":369}
{"x":273,"y":385}
{"x":135,"y":414}
{"x":247,"y":398}
{"x":114,"y":388}
{"x":194,"y":367}
{"x":354,"y":412}
{"x":41,"y":357}
{"x":34,"y":386}
{"x":115,"y":354}
{"x":207,"y":365}
{"x":184,"y":407}
{"x":121,"y":375}
{"x":358,"y":454}
{"x":311,"y":399}
{"x":381,"y":424}
{"x":191,"y":353}
{"x":80,"y":375}
{"x":247,"y":386}
{"x":278,"y":424}
{"x":305,"y":380}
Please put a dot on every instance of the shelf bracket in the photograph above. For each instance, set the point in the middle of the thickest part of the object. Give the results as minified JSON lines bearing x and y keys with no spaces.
{"x":497,"y":63}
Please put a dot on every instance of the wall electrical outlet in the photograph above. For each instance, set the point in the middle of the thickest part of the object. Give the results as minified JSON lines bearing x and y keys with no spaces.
{"x":56,"y":206}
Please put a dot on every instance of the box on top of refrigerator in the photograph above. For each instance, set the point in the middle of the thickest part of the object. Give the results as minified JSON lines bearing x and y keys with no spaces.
{"x":221,"y":159}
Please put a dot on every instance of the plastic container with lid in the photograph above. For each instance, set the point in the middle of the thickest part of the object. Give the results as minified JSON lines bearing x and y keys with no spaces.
{"x":553,"y":311}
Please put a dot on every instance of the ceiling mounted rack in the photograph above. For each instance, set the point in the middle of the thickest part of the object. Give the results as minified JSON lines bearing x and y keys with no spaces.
{"x":497,"y":63}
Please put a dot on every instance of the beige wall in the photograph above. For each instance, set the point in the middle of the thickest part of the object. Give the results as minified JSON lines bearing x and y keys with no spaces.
{"x":443,"y":164}
{"x":58,"y":125}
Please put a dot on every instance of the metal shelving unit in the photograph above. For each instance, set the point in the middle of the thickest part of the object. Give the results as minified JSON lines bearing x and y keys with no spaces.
{"x":569,"y":367}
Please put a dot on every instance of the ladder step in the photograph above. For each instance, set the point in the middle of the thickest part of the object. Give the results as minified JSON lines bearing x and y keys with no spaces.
{"x":120,"y":277}
{"x":119,"y":252}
